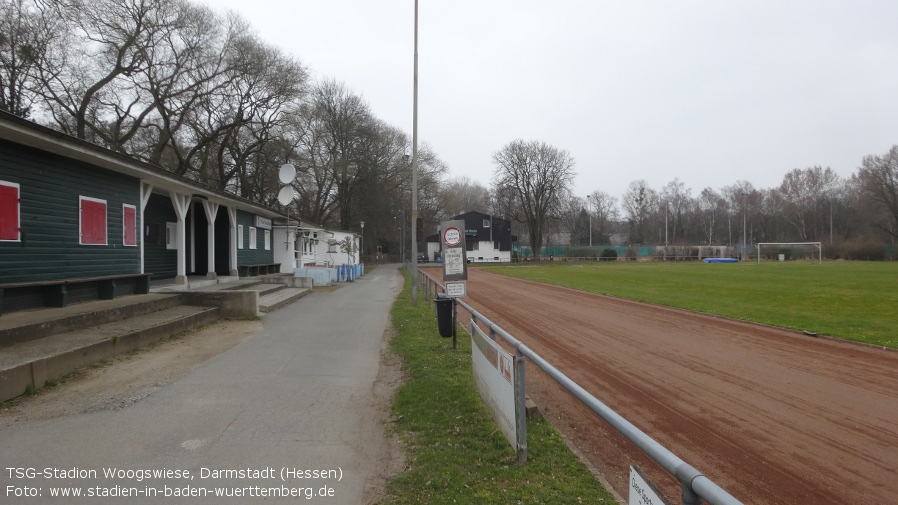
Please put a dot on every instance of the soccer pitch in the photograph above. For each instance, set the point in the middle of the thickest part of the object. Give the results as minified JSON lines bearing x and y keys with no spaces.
{"x":851,"y":300}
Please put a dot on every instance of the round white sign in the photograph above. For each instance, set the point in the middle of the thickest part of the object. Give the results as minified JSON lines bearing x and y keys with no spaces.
{"x":452,"y":236}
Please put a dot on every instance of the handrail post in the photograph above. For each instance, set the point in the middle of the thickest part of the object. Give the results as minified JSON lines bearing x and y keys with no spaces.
{"x":687,"y":474}
{"x":521,"y":407}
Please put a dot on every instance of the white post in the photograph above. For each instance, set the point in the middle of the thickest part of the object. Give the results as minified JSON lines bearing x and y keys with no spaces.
{"x":181,"y":203}
{"x":146,"y":190}
{"x":211,"y":211}
{"x":232,"y":252}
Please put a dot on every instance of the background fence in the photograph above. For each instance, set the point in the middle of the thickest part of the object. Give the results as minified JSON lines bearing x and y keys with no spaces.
{"x":845,"y":250}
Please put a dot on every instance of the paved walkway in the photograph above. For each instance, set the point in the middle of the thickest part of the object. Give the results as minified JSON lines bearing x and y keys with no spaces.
{"x":288,"y":411}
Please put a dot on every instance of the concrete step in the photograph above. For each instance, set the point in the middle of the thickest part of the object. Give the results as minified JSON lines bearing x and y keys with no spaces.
{"x":267,"y":289}
{"x":32,"y":363}
{"x":277,"y":299}
{"x":17,"y":327}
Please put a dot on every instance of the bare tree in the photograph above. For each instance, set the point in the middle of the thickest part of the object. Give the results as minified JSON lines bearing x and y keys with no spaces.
{"x":94,"y":88}
{"x":878,"y":180}
{"x":712,"y":207}
{"x":604,"y":211}
{"x":537,"y":175}
{"x":26,"y":35}
{"x":344,"y":119}
{"x":188,"y":79}
{"x":802,"y":195}
{"x":462,"y":194}
{"x":573,"y":220}
{"x":263,"y":83}
{"x":676,"y":198}
{"x":743,"y":204}
{"x":638,"y":203}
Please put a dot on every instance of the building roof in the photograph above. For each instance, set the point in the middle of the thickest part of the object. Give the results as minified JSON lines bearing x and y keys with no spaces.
{"x":22,"y":131}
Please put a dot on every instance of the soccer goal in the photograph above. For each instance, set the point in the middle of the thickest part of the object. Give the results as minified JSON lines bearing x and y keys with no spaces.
{"x":783,"y":251}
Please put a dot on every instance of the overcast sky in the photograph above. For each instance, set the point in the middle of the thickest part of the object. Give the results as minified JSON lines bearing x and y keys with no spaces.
{"x":709,"y":92}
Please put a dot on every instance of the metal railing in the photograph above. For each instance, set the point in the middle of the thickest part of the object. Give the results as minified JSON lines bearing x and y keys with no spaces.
{"x":313,"y":259}
{"x":695,"y":486}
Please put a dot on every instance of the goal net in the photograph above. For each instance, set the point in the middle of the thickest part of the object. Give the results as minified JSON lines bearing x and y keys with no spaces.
{"x":787,"y":251}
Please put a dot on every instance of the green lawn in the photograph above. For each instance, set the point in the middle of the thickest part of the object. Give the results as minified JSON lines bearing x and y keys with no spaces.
{"x":851,"y":300}
{"x":455,"y":451}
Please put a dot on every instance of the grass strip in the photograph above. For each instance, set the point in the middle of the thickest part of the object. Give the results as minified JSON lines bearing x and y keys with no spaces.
{"x":851,"y":300}
{"x":455,"y":451}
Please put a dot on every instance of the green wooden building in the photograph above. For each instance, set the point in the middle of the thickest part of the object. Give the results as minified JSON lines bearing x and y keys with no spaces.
{"x":78,"y":222}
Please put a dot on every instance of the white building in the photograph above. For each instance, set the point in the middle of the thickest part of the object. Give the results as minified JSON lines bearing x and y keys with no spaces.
{"x":308,"y":245}
{"x":488,"y":238}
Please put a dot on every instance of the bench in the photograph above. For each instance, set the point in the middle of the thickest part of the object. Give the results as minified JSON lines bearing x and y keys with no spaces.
{"x":260,"y":269}
{"x":56,"y":293}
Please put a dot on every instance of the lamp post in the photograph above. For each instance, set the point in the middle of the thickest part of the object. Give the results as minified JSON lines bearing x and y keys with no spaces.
{"x":414,"y":220}
{"x":589,"y":212}
{"x":362,"y":241}
{"x":744,"y":236}
{"x":666,"y":212}
{"x":401,"y":236}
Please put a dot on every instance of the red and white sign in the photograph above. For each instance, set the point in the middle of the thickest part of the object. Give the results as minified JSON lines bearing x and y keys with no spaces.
{"x":452,"y":236}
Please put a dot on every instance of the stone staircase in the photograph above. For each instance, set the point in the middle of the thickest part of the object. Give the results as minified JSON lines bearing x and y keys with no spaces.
{"x":43,"y":345}
{"x":274,"y":291}
{"x":38,"y":346}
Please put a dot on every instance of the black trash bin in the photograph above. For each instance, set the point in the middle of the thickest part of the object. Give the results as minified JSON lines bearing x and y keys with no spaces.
{"x":444,"y":314}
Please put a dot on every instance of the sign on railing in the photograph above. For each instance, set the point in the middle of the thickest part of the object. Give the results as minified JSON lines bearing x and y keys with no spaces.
{"x":494,"y":375}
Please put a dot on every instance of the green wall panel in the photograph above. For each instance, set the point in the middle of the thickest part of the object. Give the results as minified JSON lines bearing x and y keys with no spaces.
{"x":158,"y":260}
{"x":247,"y":256}
{"x":50,"y":187}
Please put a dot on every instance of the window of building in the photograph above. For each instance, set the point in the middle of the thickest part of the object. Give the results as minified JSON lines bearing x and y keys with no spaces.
{"x":129,"y":225}
{"x":9,"y":212}
{"x":267,"y":240}
{"x":171,"y":235}
{"x":239,"y":236}
{"x":93,"y":221}
{"x":252,"y":237}
{"x":486,"y":223}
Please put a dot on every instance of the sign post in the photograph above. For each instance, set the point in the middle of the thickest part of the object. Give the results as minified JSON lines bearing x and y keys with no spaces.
{"x":455,"y":265}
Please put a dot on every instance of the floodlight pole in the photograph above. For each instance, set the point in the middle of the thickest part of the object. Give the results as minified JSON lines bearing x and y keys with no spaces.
{"x":589,"y":212}
{"x":414,"y":216}
{"x":744,"y":236}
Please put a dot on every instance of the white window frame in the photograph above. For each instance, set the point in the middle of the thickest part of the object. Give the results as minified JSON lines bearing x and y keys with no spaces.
{"x":239,"y":236}
{"x":81,"y":200}
{"x":268,"y":240}
{"x":486,"y":223}
{"x":171,"y":236}
{"x":125,"y":225}
{"x":18,"y":211}
{"x":253,"y":238}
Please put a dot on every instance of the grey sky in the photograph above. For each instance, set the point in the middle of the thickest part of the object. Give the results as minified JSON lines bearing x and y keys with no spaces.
{"x":710,"y":92}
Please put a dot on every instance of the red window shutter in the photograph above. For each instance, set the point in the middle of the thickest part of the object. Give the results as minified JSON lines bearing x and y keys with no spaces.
{"x":129,"y":236}
{"x":9,"y":212}
{"x":93,"y":222}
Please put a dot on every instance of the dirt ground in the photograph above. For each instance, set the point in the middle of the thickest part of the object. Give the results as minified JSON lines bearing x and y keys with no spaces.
{"x":771,"y":416}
